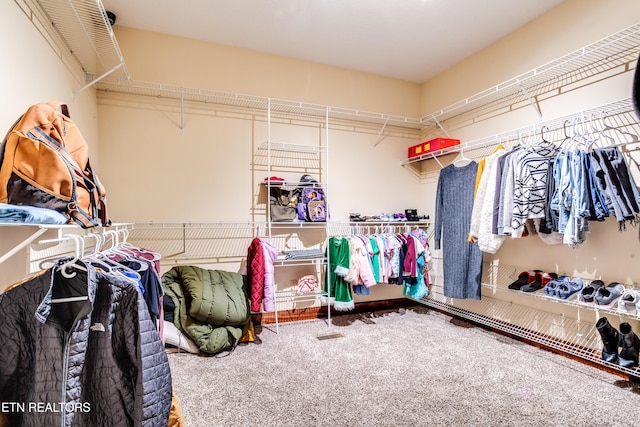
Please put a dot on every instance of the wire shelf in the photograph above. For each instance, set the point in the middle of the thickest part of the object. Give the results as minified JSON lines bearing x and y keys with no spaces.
{"x":620,"y":115}
{"x":84,"y":27}
{"x":279,"y":107}
{"x":564,"y":325}
{"x":617,"y":51}
{"x":291,"y":157}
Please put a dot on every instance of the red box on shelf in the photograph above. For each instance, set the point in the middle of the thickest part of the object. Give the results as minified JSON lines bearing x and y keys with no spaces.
{"x":432,"y":145}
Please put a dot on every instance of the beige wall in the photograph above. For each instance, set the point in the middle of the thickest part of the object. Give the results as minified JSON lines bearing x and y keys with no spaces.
{"x":207,"y":171}
{"x":35,"y":68}
{"x":192,"y":63}
{"x":564,"y":29}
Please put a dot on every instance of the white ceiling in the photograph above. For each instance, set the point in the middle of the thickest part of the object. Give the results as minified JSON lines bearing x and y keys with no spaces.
{"x":411,"y":40}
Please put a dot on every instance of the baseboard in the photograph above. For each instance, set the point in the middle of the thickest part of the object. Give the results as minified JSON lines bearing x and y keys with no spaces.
{"x":321,"y":312}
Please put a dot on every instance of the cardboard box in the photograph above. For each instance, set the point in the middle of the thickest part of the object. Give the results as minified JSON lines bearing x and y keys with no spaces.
{"x":432,"y":145}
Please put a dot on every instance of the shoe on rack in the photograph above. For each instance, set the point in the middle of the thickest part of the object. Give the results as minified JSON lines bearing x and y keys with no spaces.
{"x":608,"y":295}
{"x":610,"y":340}
{"x":630,"y":346}
{"x":540,"y":281}
{"x":589,"y":292}
{"x":568,"y":289}
{"x":524,"y":278}
{"x":551,"y":290}
{"x":628,"y":302}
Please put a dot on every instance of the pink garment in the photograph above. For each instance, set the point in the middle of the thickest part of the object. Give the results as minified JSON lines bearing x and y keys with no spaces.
{"x":307,"y":283}
{"x":410,"y":258}
{"x":270,"y":256}
{"x":360,"y":271}
{"x":365,"y":275}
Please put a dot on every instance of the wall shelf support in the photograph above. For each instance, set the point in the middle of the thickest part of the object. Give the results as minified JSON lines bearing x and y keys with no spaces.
{"x":441,"y":127}
{"x":96,"y":80}
{"x":379,"y":138}
{"x":22,"y":244}
{"x":530,"y":99}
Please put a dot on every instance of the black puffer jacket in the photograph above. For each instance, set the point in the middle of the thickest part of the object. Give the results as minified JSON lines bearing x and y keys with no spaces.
{"x":95,"y":362}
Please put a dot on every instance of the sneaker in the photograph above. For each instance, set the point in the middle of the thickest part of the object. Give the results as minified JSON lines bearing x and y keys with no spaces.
{"x":628,"y":302}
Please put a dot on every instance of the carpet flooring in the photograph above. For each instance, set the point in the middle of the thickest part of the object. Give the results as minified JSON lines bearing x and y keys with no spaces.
{"x":404,"y":367}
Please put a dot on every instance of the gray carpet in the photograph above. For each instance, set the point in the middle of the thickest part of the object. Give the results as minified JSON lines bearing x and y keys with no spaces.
{"x":407,"y":367}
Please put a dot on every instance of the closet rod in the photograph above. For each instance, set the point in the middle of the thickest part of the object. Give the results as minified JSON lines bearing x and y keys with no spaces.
{"x":623,"y":106}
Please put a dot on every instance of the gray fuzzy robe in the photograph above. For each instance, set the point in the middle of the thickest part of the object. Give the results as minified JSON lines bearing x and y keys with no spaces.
{"x":462,"y":260}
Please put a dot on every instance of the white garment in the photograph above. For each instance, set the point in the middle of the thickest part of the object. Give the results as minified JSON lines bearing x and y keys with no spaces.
{"x":487,"y":241}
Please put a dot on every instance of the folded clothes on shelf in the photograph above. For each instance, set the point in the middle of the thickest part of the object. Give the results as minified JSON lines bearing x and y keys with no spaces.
{"x":304,"y":254}
{"x":18,"y":214}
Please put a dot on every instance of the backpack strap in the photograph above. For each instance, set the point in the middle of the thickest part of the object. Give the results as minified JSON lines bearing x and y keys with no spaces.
{"x":99,"y":203}
{"x":60,"y":107}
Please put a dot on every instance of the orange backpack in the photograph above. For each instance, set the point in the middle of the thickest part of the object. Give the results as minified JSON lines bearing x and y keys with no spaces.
{"x":44,"y":162}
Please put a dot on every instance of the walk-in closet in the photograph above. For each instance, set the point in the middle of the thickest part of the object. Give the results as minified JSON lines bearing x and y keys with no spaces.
{"x":354,"y":214}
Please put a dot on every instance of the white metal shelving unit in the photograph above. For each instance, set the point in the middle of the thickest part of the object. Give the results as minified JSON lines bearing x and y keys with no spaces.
{"x":298,"y":159}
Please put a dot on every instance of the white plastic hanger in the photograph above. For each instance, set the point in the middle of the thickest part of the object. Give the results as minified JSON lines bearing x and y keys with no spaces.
{"x":69,"y":268}
{"x":623,"y":137}
{"x":461,"y":158}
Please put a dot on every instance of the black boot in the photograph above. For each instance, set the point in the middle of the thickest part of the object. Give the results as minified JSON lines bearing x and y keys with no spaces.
{"x":630,"y":346}
{"x":610,"y":339}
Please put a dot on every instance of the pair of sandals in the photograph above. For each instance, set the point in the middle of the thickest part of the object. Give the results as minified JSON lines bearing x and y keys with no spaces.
{"x":564,"y":287}
{"x":531,"y":281}
{"x":596,"y":293}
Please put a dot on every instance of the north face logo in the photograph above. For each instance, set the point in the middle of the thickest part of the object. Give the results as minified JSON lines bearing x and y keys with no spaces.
{"x":98,"y":327}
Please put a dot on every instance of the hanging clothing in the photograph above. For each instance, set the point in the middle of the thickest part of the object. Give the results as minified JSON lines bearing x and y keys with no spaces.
{"x":255,"y":273}
{"x":149,"y":283}
{"x":504,"y":193}
{"x":462,"y":260}
{"x":481,"y":215}
{"x":416,"y":288}
{"x":617,"y":184}
{"x":270,"y":255}
{"x":375,"y":259}
{"x":337,"y":286}
{"x":530,"y":183}
{"x":98,"y":360}
{"x":360,"y":266}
